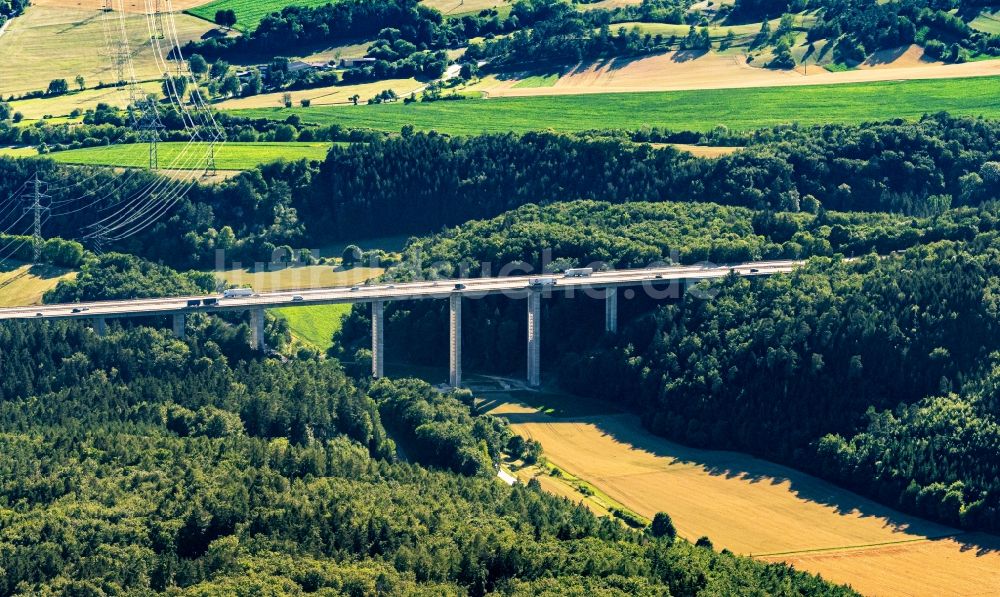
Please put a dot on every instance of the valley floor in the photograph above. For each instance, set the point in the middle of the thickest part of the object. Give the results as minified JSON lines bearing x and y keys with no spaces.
{"x":759,"y":508}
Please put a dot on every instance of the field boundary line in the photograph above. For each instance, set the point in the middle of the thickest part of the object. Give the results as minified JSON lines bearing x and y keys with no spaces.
{"x":855,"y":547}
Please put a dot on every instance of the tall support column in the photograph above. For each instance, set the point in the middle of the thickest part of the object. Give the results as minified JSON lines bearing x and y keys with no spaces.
{"x":378,"y":339}
{"x":455,"y":341}
{"x":100,"y":326}
{"x":180,"y":325}
{"x":611,"y":310}
{"x":534,"y":338}
{"x":257,"y":329}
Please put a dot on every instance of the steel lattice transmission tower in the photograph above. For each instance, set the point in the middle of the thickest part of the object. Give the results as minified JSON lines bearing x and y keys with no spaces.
{"x":149,"y":131}
{"x":158,"y":20}
{"x":34,"y":199}
{"x":210,"y":170}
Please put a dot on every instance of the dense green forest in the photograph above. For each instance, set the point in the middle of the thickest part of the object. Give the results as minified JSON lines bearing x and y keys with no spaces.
{"x":861,"y":27}
{"x":415,"y":183}
{"x":850,"y":337}
{"x":138,"y":462}
{"x":10,"y":9}
{"x":340,"y":22}
{"x":894,"y":353}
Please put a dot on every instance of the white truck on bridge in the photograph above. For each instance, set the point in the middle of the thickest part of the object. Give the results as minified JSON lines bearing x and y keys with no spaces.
{"x":238,"y":293}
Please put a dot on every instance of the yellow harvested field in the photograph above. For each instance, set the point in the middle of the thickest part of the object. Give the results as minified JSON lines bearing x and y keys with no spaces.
{"x":63,"y":105}
{"x":759,"y":508}
{"x":678,"y":71}
{"x":50,"y":42}
{"x":22,"y":285}
{"x":131,"y":6}
{"x":456,"y":7}
{"x":326,"y":96}
{"x":299,"y":278}
{"x":609,"y":4}
{"x":705,"y":151}
{"x":902,"y":57}
{"x":18,"y":152}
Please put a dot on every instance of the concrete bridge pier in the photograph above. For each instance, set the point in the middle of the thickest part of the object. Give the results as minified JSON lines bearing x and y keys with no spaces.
{"x":534,"y":338}
{"x":378,"y":339}
{"x":101,"y":326}
{"x":455,"y":341}
{"x":611,"y":310}
{"x":257,"y":329}
{"x":180,"y":325}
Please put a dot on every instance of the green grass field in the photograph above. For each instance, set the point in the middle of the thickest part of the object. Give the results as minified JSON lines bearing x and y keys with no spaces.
{"x":987,"y":22}
{"x":315,"y":325}
{"x":716,"y":32}
{"x":249,"y":13}
{"x":739,"y":109}
{"x":538,"y":81}
{"x":231,"y":156}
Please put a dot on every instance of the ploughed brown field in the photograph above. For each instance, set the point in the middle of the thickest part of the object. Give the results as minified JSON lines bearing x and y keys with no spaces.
{"x":759,"y":508}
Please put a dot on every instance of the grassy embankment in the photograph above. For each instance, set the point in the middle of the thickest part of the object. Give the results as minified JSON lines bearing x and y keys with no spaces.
{"x":23,"y":284}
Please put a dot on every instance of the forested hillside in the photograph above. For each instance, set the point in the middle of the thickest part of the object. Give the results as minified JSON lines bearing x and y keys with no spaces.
{"x":409,"y":36}
{"x":416,"y":183}
{"x":772,"y":367}
{"x":139,"y":463}
{"x":875,"y":373}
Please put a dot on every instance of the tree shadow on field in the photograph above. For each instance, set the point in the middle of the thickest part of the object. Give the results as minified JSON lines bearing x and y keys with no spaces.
{"x":627,"y":429}
{"x":687,"y":55}
{"x":76,"y":25}
{"x":618,"y":63}
{"x":885,"y":56}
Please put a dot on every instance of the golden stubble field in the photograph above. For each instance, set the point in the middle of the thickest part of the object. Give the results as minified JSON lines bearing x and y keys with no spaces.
{"x":133,"y":6}
{"x":55,"y":40}
{"x":326,"y":96}
{"x":759,"y":508}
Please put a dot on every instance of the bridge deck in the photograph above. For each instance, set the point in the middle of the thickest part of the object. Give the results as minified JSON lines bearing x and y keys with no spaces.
{"x":515,"y":286}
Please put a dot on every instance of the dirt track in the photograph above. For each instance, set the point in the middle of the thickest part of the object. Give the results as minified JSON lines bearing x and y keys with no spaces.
{"x":776,"y":513}
{"x":679,"y":71}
